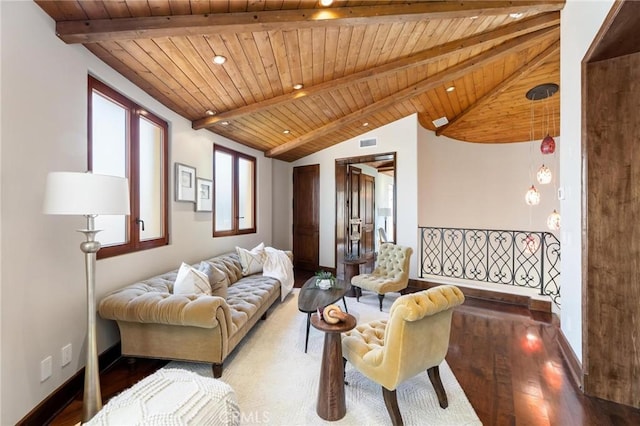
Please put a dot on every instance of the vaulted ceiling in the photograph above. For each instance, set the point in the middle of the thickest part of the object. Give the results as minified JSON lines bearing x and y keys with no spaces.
{"x":361,"y":63}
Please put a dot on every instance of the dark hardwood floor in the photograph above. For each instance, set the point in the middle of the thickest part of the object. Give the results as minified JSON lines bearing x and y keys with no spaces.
{"x":505,"y":357}
{"x":507,"y":360}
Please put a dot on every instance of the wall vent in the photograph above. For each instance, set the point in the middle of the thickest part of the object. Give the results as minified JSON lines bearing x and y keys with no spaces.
{"x":439,"y":122}
{"x":366,"y":143}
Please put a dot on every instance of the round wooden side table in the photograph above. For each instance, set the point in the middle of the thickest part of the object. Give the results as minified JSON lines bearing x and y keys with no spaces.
{"x":351,"y":269}
{"x":331,"y":402}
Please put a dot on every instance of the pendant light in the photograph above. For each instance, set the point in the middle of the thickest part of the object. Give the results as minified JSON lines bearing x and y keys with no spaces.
{"x":553,"y":221}
{"x":544,"y":175}
{"x":548,"y":145}
{"x":532,"y":197}
{"x":530,"y":244}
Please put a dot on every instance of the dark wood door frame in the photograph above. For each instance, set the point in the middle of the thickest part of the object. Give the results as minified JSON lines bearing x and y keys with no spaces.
{"x":341,"y":165}
{"x":610,"y":289}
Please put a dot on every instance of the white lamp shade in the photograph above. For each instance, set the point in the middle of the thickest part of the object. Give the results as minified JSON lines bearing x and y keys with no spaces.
{"x":70,"y":193}
{"x":384,"y":211}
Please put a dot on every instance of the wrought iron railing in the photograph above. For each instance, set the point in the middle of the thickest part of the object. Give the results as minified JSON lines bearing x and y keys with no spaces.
{"x":519,"y":258}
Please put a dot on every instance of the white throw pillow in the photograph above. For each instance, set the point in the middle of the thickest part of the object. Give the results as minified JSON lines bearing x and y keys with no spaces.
{"x":251,"y":260}
{"x":191,"y":281}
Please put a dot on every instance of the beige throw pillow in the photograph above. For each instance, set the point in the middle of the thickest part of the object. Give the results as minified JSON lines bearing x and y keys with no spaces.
{"x":218,"y":280}
{"x":191,"y":281}
{"x":251,"y":260}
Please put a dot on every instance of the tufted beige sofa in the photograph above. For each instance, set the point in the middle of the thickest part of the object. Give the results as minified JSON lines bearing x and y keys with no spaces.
{"x":391,"y":273}
{"x":155,"y":323}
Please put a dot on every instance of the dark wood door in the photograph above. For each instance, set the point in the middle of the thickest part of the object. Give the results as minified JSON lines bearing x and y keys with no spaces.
{"x":341,"y":217}
{"x":361,"y":216}
{"x":354,"y":218}
{"x":306,"y":217}
{"x":367,"y":214}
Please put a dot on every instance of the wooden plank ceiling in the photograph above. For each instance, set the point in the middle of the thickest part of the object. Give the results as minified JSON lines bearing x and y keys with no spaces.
{"x":362,"y":64}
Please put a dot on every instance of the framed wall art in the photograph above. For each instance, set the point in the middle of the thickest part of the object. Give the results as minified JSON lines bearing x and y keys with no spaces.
{"x":204,"y":198}
{"x":185,"y":177}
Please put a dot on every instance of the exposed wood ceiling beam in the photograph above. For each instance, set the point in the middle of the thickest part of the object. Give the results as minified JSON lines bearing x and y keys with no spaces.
{"x":451,"y":73}
{"x":504,"y":85}
{"x":422,"y":58}
{"x":92,"y":31}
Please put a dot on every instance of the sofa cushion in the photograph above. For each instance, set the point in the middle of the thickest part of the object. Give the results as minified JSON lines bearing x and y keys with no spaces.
{"x":228,"y":263}
{"x":191,"y":281}
{"x":251,"y":260}
{"x":218,"y":280}
{"x":247,"y":295}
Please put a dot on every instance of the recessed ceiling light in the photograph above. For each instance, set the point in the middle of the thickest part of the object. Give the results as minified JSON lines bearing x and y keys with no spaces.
{"x":473,"y":17}
{"x":298,"y":86}
{"x":515,"y":15}
{"x":286,"y":131}
{"x":326,"y":3}
{"x":224,"y":123}
{"x":365,"y":124}
{"x":451,"y":88}
{"x":219,"y":59}
{"x":210,"y":112}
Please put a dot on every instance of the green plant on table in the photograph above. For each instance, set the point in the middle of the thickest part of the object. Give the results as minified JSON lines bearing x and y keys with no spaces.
{"x":324,"y":279}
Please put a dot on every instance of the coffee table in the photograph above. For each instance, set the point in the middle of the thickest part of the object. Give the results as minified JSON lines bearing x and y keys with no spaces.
{"x":311,"y":298}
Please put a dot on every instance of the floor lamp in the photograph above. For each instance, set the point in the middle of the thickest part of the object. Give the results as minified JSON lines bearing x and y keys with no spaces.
{"x":88,"y":195}
{"x":385,"y":212}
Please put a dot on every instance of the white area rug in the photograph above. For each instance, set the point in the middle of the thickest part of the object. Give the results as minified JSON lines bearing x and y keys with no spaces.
{"x":276,"y":383}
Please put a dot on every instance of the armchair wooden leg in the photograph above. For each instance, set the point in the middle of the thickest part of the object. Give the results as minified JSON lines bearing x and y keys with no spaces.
{"x":391,"y":402}
{"x":344,"y":370}
{"x":380,"y":297}
{"x":434,"y":376}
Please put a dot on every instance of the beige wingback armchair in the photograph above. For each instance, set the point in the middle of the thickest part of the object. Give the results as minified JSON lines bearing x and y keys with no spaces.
{"x":415,"y":338}
{"x":391,"y":272}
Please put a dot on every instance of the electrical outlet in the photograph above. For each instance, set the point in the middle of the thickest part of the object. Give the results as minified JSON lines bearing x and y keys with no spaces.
{"x":66,"y":353}
{"x":45,"y":368}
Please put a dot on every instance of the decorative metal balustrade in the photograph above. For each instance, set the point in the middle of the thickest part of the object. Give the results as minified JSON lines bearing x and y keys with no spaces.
{"x":518,"y":258}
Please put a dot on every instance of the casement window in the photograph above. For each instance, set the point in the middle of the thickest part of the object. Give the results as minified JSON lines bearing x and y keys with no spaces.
{"x":127,"y":140}
{"x":234,"y":210}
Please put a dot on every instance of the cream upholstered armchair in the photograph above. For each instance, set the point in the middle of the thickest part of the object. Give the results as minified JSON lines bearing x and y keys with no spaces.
{"x":391,"y":272}
{"x":415,"y":338}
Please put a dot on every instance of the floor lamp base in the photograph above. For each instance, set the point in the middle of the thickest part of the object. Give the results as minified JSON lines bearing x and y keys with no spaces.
{"x":92,"y":398}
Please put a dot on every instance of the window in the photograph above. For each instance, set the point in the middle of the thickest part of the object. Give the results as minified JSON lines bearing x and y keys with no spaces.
{"x":128,"y":141}
{"x":234,"y":192}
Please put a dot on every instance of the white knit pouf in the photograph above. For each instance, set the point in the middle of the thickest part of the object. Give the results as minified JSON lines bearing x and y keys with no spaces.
{"x":172,"y":397}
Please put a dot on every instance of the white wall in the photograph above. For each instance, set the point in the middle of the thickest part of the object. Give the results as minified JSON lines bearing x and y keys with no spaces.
{"x":281,"y":183}
{"x":399,"y":137}
{"x":43,"y":129}
{"x":472,"y":185}
{"x":579,"y":22}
